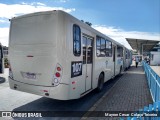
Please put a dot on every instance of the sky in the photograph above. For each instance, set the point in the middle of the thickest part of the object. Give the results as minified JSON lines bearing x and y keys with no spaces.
{"x":118,"y":19}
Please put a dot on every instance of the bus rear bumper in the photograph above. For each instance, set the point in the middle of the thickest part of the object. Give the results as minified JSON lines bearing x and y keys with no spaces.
{"x":59,"y":92}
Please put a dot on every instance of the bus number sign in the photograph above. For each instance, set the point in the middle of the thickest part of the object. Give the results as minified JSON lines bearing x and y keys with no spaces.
{"x":76,"y":68}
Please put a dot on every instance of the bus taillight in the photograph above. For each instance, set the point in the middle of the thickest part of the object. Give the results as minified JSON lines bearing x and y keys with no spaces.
{"x":57,"y":76}
{"x":58,"y":69}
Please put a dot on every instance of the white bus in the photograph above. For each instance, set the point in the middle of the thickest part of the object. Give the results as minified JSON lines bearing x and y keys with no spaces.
{"x":55,"y":55}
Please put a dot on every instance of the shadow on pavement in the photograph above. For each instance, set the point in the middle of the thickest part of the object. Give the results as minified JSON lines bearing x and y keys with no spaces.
{"x":81,"y":105}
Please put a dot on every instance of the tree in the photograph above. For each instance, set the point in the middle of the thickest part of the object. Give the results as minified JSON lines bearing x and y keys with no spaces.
{"x":88,"y":23}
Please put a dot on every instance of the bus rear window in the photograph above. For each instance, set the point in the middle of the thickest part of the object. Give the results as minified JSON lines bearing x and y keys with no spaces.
{"x":76,"y":40}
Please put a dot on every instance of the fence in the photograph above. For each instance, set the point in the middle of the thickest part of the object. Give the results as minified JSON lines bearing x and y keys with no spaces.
{"x":154,"y":86}
{"x":151,"y":112}
{"x":153,"y":82}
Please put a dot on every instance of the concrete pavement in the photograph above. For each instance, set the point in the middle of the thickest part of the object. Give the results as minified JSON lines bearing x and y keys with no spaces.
{"x":130,"y":93}
{"x":156,"y":69}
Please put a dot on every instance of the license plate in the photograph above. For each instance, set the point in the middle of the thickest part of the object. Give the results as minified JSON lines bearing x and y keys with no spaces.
{"x":28,"y":75}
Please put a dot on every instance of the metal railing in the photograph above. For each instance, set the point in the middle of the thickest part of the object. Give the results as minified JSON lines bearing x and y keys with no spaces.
{"x":154,"y":85}
{"x":151,"y":112}
{"x":153,"y":82}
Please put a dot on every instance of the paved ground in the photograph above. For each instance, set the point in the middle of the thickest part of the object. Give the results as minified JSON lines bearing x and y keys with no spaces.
{"x":156,"y":69}
{"x":130,"y":93}
{"x":11,"y":100}
{"x":126,"y":93}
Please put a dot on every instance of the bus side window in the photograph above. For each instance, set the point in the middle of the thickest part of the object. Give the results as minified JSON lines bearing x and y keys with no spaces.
{"x":103,"y":47}
{"x":108,"y":48}
{"x":98,"y":46}
{"x":119,"y":51}
{"x":0,"y":53}
{"x":126,"y":54}
{"x":76,"y":40}
{"x":1,"y":59}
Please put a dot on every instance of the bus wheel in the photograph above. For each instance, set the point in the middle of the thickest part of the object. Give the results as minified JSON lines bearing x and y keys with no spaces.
{"x":100,"y":82}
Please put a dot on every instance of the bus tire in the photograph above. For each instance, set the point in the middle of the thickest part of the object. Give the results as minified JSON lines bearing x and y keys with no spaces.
{"x":100,"y":83}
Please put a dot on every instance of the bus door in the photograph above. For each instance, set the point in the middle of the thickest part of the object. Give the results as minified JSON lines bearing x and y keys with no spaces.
{"x":1,"y":59}
{"x":87,"y":61}
{"x":114,"y":60}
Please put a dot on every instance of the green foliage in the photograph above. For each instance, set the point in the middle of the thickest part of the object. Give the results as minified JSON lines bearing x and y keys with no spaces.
{"x":88,"y":23}
{"x":6,"y":63}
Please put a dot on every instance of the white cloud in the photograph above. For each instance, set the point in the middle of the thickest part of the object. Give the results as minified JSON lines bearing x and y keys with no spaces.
{"x":63,"y":1}
{"x":33,"y":3}
{"x":4,"y":21}
{"x":119,"y":35}
{"x":13,"y":10}
{"x":4,"y":33}
{"x":42,"y":4}
{"x":9,"y":11}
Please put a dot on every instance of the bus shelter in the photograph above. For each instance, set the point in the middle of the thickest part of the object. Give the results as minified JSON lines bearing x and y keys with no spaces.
{"x":143,"y":46}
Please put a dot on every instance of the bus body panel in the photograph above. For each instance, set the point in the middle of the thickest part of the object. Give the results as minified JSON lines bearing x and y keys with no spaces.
{"x":32,"y":51}
{"x":60,"y":92}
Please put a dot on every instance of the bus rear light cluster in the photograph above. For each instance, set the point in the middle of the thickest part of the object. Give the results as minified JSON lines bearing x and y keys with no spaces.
{"x":73,"y":82}
{"x":57,"y":75}
{"x":45,"y":90}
